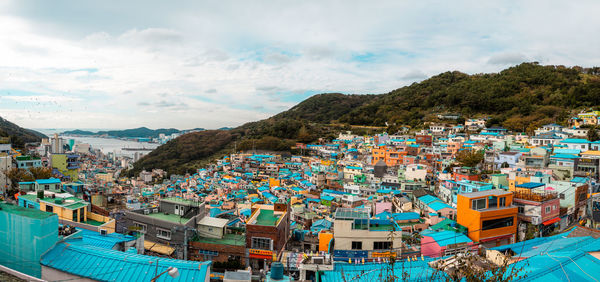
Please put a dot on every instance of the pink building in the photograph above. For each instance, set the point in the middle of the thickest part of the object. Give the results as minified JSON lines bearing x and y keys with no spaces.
{"x":443,"y":243}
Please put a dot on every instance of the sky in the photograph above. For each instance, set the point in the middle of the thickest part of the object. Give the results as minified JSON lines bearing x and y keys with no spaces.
{"x":211,"y":64}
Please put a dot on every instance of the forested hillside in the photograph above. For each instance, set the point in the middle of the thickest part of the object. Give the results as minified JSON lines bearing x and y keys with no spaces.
{"x":520,"y":98}
{"x":18,"y":135}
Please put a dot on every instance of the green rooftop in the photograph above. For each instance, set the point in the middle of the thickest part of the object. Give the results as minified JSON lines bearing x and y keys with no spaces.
{"x":31,"y":213}
{"x":228,"y":239}
{"x":180,"y":200}
{"x":77,"y":203}
{"x":266,"y":218}
{"x":169,"y":217}
{"x":93,"y":222}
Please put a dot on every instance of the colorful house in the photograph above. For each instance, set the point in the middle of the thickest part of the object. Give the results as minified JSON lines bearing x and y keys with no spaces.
{"x":489,"y":215}
{"x":445,"y":243}
{"x":66,"y":165}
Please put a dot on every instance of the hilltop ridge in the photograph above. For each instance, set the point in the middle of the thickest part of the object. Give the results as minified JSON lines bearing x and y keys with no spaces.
{"x":522,"y":97}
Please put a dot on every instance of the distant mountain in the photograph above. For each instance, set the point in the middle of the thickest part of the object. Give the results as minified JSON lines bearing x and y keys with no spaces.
{"x":18,"y":135}
{"x":519,"y":98}
{"x":142,"y":132}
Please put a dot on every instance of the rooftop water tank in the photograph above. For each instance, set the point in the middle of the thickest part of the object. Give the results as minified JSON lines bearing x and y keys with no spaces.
{"x":277,"y":271}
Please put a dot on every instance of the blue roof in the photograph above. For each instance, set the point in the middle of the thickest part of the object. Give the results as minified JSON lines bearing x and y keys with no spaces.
{"x":110,"y":265}
{"x":246,"y":212}
{"x":579,"y":180}
{"x":327,"y":198}
{"x":406,"y":216}
{"x":428,"y":199}
{"x":444,"y":238}
{"x":564,"y":156}
{"x":530,"y":185}
{"x":48,"y":181}
{"x":87,"y":237}
{"x":567,"y":151}
{"x":436,"y":206}
{"x":418,"y":270}
{"x":575,"y":141}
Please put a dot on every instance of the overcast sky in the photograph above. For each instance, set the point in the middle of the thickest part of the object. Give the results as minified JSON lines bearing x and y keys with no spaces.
{"x":124,"y":64}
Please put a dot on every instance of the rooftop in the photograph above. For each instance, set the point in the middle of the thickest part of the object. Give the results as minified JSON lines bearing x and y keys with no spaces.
{"x":177,"y":200}
{"x":169,"y":217}
{"x":346,"y":213}
{"x":228,"y":239}
{"x":21,"y":211}
{"x":493,"y":192}
{"x":267,"y":218}
{"x":82,"y":260}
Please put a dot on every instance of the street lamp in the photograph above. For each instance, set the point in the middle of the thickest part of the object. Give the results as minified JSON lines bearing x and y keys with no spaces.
{"x":172,"y":271}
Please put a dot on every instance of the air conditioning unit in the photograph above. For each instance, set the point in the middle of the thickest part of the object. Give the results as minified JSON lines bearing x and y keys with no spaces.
{"x":155,"y":211}
{"x":103,"y":232}
{"x":146,"y":212}
{"x":536,"y":220}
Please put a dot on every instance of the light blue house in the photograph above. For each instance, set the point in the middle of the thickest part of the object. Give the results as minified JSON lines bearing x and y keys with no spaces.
{"x":25,"y":234}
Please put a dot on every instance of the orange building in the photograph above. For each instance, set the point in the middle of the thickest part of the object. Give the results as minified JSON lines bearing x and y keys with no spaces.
{"x":489,"y":215}
{"x":391,"y":156}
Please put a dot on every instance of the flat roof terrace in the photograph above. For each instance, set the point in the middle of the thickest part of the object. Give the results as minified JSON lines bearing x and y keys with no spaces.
{"x":169,"y":217}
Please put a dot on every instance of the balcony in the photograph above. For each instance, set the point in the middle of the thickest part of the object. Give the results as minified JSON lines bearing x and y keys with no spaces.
{"x":535,"y":196}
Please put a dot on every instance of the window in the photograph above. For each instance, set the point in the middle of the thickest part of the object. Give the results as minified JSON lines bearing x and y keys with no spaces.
{"x":75,"y":215}
{"x":356,"y":245}
{"x":142,"y":228}
{"x":46,"y":187}
{"x":553,"y":207}
{"x":478,"y":204}
{"x":521,"y":209}
{"x":82,"y":214}
{"x":261,"y":243}
{"x":497,"y":223}
{"x":49,"y":208}
{"x":163,"y":233}
{"x":502,"y":202}
{"x":382,"y":245}
{"x":492,"y":202}
{"x":562,"y":196}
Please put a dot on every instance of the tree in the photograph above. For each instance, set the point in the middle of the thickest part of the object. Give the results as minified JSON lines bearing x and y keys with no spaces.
{"x":592,"y":134}
{"x":470,"y":158}
{"x":41,"y":172}
{"x":17,"y":175}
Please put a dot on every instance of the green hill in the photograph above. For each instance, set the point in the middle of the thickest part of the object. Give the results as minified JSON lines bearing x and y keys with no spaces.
{"x":18,"y":135}
{"x":519,"y":98}
{"x":142,"y":132}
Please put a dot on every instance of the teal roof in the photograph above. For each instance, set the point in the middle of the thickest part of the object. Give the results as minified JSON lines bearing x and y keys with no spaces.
{"x":436,"y":206}
{"x":530,"y":185}
{"x":575,"y":141}
{"x":108,"y":265}
{"x":564,"y":156}
{"x":444,"y":238}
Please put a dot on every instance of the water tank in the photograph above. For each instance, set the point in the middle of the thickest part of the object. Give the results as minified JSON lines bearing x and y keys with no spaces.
{"x":277,"y":271}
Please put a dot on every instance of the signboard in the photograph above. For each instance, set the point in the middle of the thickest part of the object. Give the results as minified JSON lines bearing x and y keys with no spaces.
{"x":383,"y":254}
{"x":260,"y":254}
{"x":345,"y":255}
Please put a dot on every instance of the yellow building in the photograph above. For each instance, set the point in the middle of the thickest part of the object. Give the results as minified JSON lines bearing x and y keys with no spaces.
{"x":66,"y":164}
{"x":589,"y":117}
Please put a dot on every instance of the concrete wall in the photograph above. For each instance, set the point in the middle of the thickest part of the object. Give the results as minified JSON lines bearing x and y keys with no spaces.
{"x":51,"y":274}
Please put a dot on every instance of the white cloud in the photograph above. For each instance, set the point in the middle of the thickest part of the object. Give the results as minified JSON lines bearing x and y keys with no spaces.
{"x":214,"y":64}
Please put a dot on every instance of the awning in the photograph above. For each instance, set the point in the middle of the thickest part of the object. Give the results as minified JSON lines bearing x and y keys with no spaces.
{"x":550,"y":221}
{"x":158,"y":248}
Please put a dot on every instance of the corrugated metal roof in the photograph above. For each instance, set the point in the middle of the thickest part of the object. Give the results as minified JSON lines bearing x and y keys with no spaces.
{"x":92,"y":238}
{"x":109,"y":265}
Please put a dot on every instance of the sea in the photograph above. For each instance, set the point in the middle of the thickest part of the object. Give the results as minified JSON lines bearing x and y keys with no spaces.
{"x":106,"y":145}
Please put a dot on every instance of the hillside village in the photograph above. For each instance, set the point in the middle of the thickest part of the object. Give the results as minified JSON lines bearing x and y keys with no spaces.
{"x":409,"y":205}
